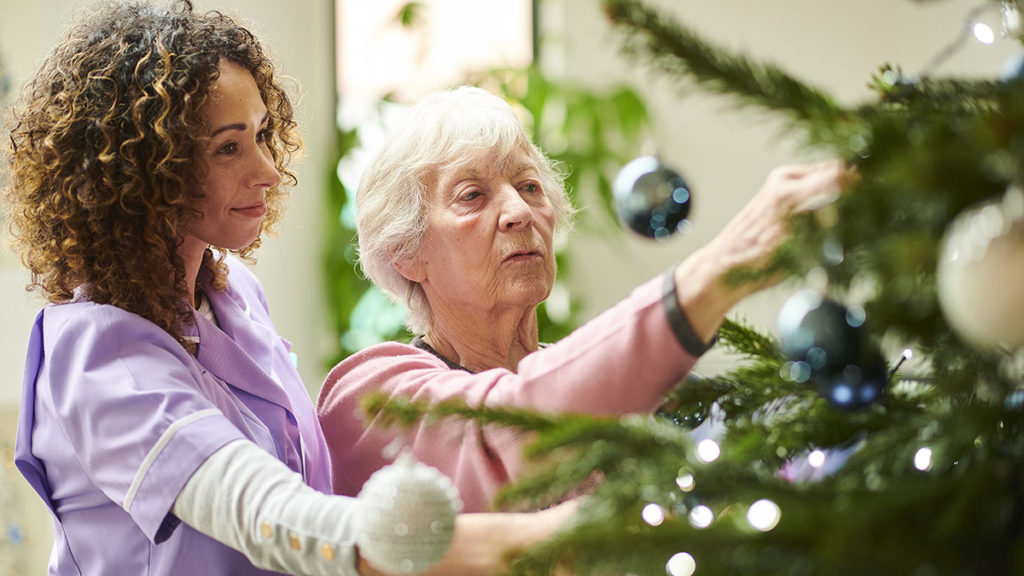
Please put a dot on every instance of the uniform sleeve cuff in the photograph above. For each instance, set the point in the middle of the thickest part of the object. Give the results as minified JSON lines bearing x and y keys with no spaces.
{"x":678,"y":321}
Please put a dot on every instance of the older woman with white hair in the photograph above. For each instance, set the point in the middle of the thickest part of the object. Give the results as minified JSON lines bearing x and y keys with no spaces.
{"x":456,"y":218}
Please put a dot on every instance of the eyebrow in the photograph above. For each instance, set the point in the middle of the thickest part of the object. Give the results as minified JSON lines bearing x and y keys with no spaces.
{"x":238,"y":126}
{"x":507,"y":168}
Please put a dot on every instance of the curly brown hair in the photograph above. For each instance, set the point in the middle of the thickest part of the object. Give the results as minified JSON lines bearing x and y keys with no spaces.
{"x":103,"y":150}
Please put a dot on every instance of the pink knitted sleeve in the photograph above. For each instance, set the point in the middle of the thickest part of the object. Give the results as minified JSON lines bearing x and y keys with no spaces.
{"x":621,"y":362}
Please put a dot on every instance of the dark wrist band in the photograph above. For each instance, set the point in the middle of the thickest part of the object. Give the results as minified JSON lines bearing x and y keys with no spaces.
{"x":678,"y":321}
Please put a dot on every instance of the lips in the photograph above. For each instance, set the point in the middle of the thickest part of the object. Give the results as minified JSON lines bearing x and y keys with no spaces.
{"x":256,"y":210}
{"x":521,"y":255}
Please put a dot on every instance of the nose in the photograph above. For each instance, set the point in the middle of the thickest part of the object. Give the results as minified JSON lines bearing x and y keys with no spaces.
{"x":264,"y":170}
{"x":515,"y":211}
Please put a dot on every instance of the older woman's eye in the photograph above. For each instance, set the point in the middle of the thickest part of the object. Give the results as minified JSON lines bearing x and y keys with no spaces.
{"x":471,"y":195}
{"x":530,"y":187}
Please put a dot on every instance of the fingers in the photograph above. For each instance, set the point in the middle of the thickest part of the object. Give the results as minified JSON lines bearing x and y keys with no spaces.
{"x":802,"y":188}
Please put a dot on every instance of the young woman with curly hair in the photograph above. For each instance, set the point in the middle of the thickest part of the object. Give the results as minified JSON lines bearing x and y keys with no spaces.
{"x":162,"y":420}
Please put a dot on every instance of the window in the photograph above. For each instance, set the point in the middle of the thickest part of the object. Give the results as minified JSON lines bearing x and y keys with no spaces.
{"x":410,"y":48}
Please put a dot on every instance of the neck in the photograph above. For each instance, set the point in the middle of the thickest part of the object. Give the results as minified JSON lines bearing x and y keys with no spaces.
{"x":191,"y":252}
{"x":487,"y":342}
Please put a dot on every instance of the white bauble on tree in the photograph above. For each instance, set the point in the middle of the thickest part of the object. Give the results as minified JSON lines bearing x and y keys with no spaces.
{"x":406,"y":516}
{"x":981,"y":272}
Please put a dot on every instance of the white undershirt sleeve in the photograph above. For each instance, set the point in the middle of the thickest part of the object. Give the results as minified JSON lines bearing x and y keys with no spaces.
{"x":246,"y":499}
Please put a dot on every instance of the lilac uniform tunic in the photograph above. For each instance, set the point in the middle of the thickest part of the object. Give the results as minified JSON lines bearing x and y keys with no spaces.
{"x":116,"y":416}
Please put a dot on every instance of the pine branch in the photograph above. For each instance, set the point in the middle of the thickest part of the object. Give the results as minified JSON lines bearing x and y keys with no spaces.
{"x":681,"y":53}
{"x":404,"y":411}
{"x":743,"y":338}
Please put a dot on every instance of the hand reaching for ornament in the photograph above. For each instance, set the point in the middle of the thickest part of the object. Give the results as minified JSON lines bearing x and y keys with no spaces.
{"x":750,"y":239}
{"x":484,"y":543}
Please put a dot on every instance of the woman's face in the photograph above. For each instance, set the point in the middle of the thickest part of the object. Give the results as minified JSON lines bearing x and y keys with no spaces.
{"x":235,"y":165}
{"x":488,"y":240}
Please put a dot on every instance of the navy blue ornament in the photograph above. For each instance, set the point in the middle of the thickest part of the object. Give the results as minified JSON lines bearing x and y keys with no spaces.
{"x":652,"y":200}
{"x":857,"y":385}
{"x":828,"y":346}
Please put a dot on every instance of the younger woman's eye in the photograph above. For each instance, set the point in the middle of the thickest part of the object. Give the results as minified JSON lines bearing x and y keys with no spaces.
{"x":229,"y":148}
{"x":264,"y":135}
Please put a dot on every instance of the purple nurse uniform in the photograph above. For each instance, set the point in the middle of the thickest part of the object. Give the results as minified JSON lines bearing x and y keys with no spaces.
{"x":116,"y":416}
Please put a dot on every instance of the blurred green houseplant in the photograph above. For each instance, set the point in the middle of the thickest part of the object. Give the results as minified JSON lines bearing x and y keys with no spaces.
{"x":589,"y":133}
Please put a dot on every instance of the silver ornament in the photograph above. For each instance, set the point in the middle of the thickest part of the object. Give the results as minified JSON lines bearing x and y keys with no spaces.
{"x":652,"y":200}
{"x":406,"y":516}
{"x":980,"y":273}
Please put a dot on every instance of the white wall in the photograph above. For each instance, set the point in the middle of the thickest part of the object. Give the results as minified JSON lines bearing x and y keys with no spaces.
{"x":724,"y":152}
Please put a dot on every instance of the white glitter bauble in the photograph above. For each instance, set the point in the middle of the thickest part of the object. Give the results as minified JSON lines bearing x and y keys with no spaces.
{"x":406,"y":516}
{"x":980,"y":273}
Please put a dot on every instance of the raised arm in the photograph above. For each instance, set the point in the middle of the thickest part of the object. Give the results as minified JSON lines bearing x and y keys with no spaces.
{"x":749,"y":239}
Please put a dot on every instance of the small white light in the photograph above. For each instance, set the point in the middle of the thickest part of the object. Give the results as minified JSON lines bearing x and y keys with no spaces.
{"x":983,"y":32}
{"x":764,"y":515}
{"x":653,"y":514}
{"x":681,"y":564}
{"x":708,"y":450}
{"x":908,"y":354}
{"x":923,"y":459}
{"x":701,"y":517}
{"x":816,"y":459}
{"x":686,"y":482}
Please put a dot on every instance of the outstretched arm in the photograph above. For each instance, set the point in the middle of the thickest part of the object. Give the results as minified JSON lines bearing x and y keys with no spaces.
{"x":250,"y":501}
{"x":749,"y":240}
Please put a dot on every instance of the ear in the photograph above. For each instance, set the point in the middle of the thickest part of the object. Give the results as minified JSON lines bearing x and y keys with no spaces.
{"x":411,"y":268}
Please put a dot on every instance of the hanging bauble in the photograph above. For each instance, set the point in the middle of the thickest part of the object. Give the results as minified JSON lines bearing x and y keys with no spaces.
{"x":406,"y":516}
{"x":687,"y":416}
{"x":857,"y":385}
{"x":828,"y":346}
{"x":690,"y":413}
{"x":820,"y":332}
{"x":652,"y":200}
{"x":980,"y":272}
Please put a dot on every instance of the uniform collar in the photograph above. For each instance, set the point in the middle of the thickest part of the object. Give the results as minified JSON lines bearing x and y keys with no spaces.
{"x":239,"y":351}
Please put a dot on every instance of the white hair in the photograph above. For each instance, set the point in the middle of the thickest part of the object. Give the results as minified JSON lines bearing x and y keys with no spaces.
{"x":446,"y":129}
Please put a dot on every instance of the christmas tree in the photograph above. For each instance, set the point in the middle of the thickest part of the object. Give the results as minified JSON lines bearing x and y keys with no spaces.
{"x":823,"y":452}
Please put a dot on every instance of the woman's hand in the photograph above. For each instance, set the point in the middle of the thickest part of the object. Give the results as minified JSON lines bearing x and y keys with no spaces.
{"x":484,"y":543}
{"x":749,"y":240}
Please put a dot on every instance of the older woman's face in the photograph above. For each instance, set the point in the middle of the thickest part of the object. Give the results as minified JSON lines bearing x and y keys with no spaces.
{"x":488,"y":240}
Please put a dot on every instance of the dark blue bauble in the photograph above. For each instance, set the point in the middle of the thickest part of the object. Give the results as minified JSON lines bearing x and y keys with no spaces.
{"x":857,"y":385}
{"x":818,"y":331}
{"x":652,"y":200}
{"x":829,"y":347}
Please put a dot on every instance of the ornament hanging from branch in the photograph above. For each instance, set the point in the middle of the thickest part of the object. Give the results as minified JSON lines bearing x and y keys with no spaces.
{"x":652,"y":200}
{"x":980,"y":273}
{"x":828,"y":346}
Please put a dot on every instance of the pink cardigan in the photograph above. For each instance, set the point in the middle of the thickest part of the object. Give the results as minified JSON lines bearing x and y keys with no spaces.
{"x":621,"y":362}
